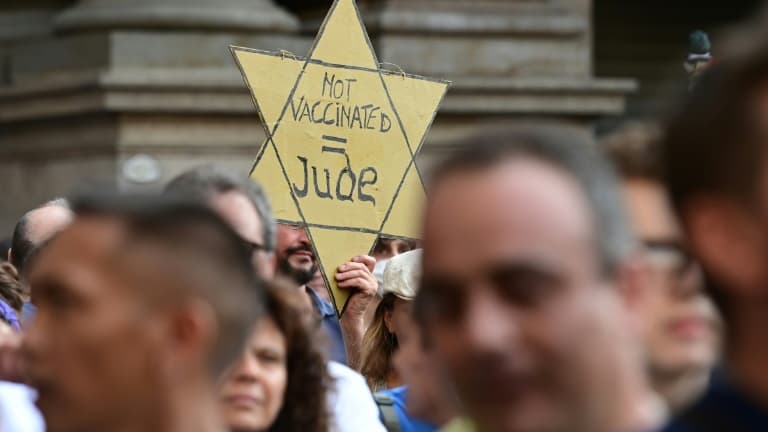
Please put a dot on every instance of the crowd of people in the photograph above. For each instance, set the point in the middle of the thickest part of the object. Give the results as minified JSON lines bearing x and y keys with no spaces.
{"x":560,"y":285}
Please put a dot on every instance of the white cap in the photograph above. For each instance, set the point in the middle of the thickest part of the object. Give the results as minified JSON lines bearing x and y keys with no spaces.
{"x":402,"y":274}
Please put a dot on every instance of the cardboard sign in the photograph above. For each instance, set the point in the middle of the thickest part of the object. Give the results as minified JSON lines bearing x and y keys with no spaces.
{"x":342,"y":135}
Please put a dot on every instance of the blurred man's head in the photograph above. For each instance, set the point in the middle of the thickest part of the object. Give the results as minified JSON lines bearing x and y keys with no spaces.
{"x":238,"y":200}
{"x":715,"y":164}
{"x":680,"y":327}
{"x":141,"y":303}
{"x":35,"y":228}
{"x":524,"y":252}
{"x":430,"y":396}
{"x":295,"y":257}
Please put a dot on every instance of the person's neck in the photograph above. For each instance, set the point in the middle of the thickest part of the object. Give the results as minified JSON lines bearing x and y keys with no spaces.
{"x":441,"y":412}
{"x":189,"y":409}
{"x":309,"y":303}
{"x":618,"y":395}
{"x":680,"y":387}
{"x":636,"y":407}
{"x":747,"y":350}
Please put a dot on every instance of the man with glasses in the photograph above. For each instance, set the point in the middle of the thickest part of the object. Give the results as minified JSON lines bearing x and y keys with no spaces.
{"x":526,"y":262}
{"x":285,"y":249}
{"x":680,"y":326}
{"x":244,"y":205}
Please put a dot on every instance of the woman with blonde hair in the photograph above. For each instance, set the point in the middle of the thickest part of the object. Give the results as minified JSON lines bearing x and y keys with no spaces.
{"x":399,"y":282}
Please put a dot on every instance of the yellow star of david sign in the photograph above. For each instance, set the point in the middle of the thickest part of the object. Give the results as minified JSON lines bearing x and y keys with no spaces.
{"x":342,"y":135}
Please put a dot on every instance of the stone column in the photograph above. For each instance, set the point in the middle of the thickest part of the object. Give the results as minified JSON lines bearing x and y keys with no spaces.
{"x":508,"y":59}
{"x":131,"y":92}
{"x":483,"y":38}
{"x":248,"y":15}
{"x":24,"y":19}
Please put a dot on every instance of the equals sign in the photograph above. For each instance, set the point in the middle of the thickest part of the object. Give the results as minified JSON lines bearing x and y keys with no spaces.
{"x":335,"y":139}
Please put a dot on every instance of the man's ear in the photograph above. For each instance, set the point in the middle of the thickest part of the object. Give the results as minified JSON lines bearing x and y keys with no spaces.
{"x":273,"y":262}
{"x":388,"y":320}
{"x":193,"y":332}
{"x":730,"y":243}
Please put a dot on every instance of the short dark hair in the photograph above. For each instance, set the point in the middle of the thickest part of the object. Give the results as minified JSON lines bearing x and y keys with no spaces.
{"x":634,"y":151}
{"x":198,"y":249}
{"x":206,"y":181}
{"x":714,"y":143}
{"x":5,"y":244}
{"x":22,"y":247}
{"x":566,"y":150}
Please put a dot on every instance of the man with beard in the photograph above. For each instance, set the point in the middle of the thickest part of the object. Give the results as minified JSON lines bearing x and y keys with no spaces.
{"x":296,"y":260}
{"x":526,"y":256}
{"x":244,"y":205}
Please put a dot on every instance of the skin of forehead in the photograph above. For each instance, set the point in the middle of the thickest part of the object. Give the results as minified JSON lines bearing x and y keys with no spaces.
{"x":649,"y":210}
{"x":522,"y":199}
{"x":238,"y":211}
{"x":103,"y":246}
{"x":44,"y":222}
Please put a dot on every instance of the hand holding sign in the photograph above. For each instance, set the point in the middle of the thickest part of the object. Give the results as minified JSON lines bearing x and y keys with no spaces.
{"x":342,"y":135}
{"x":358,"y":275}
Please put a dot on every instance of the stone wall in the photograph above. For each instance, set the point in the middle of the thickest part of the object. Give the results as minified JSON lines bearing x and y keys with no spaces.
{"x":87,"y":85}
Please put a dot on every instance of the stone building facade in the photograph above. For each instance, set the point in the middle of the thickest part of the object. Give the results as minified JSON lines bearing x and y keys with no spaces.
{"x":131,"y":92}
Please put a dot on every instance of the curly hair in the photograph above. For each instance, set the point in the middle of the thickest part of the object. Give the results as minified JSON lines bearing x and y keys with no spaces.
{"x":304,"y":404}
{"x":10,"y":287}
{"x":378,"y":346}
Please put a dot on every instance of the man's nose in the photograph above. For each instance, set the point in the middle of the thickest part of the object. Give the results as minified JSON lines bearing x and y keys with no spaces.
{"x":689,"y":284}
{"x":303,"y":237}
{"x":489,"y":326}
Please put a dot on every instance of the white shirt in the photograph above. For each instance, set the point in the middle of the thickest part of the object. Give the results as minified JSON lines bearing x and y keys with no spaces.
{"x":352,"y":406}
{"x":18,"y":412}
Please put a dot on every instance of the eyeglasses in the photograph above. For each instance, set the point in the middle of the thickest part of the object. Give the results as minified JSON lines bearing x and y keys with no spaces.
{"x":670,"y":255}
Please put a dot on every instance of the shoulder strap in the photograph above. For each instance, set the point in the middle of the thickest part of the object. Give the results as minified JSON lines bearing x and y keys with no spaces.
{"x":387,"y":411}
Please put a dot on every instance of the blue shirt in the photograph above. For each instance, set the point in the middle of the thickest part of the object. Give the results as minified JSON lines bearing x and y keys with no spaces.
{"x":8,"y":315}
{"x":722,"y":408}
{"x":331,"y":327}
{"x":407,"y":423}
{"x":28,"y":311}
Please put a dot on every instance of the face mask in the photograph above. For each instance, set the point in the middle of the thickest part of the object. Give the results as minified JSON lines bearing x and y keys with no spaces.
{"x":378,"y":273}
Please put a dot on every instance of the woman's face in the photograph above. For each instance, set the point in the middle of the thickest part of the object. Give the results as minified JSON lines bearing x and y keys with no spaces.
{"x":395,"y":318}
{"x":253,"y":389}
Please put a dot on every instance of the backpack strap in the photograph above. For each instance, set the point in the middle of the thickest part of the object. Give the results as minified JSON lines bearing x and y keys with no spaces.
{"x":387,"y":411}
